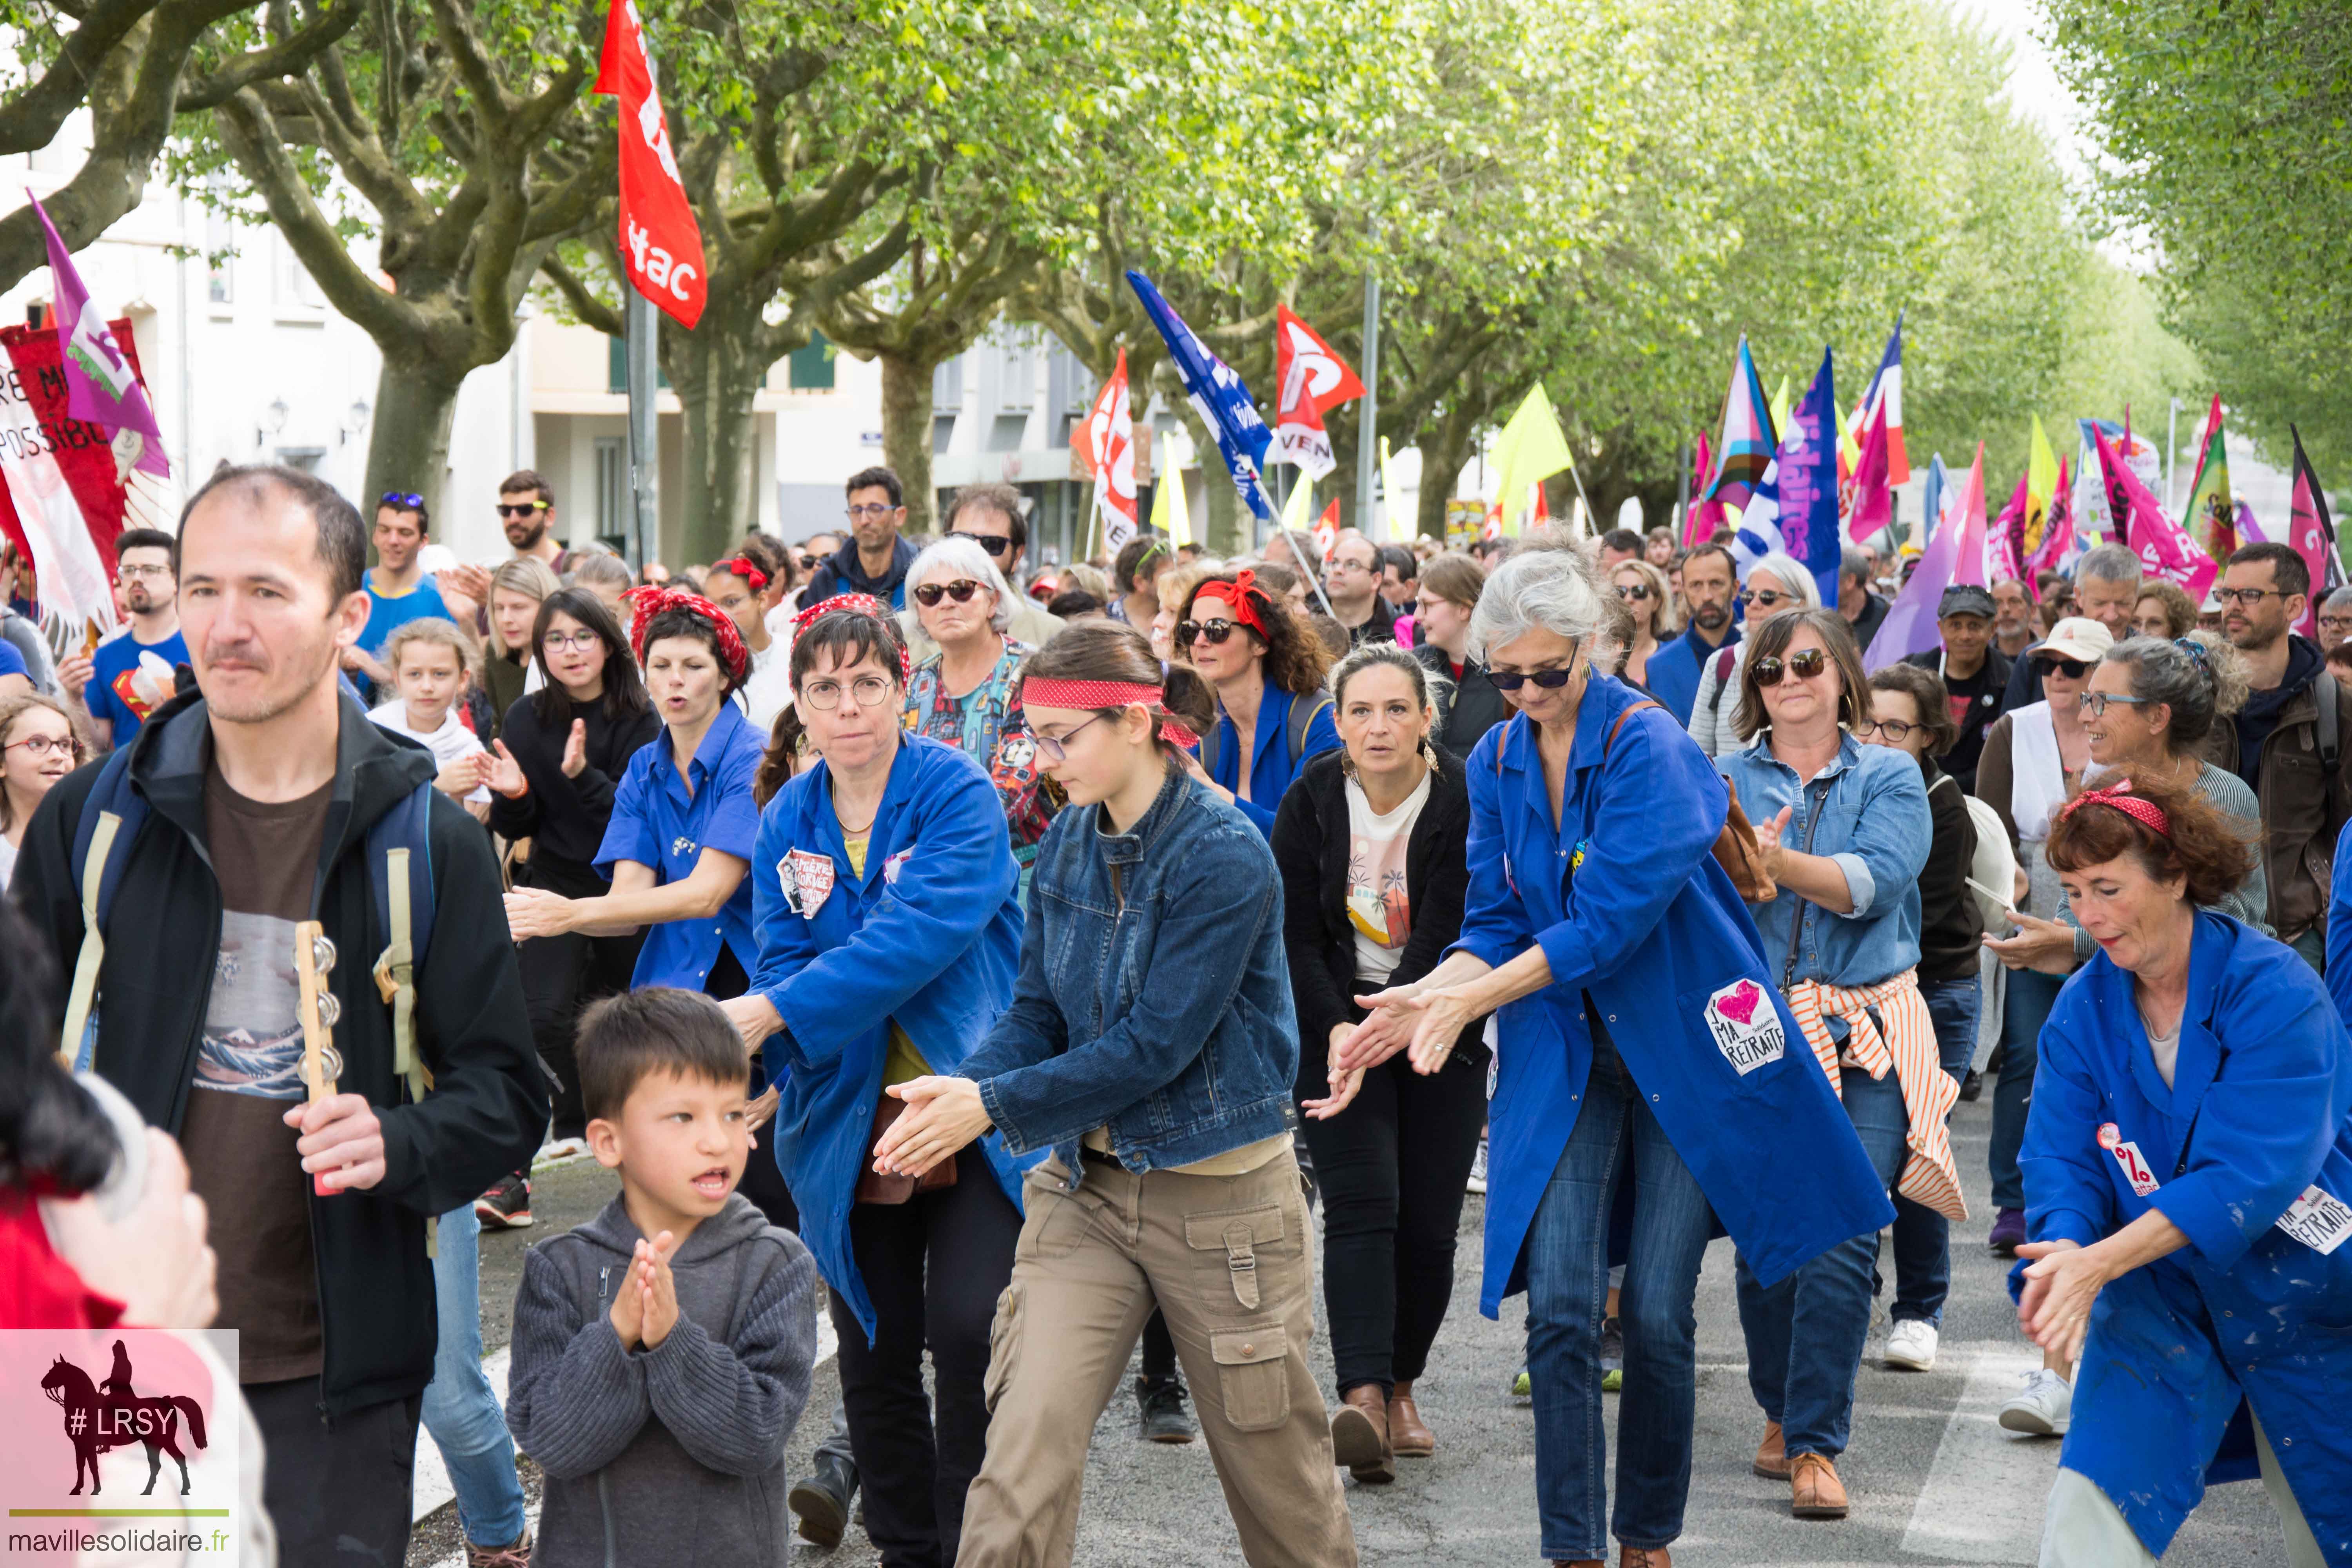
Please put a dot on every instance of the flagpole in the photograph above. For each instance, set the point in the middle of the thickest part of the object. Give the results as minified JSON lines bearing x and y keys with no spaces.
{"x":1367,"y":411}
{"x":644,"y":452}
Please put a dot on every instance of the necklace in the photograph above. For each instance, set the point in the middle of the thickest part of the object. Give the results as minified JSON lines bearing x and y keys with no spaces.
{"x":849,"y":832}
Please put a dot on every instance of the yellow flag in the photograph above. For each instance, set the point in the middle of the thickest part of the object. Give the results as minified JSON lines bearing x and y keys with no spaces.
{"x":1170,"y":517}
{"x":1780,"y":406}
{"x":2040,"y":471}
{"x":1530,"y":448}
{"x":1298,"y":512}
{"x":1399,"y":521}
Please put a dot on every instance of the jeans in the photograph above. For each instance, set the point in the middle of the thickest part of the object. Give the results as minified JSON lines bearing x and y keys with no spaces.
{"x":1923,"y":1238}
{"x":2032,"y":996}
{"x":1568,"y":1281}
{"x":1805,"y":1334}
{"x":461,"y":1410}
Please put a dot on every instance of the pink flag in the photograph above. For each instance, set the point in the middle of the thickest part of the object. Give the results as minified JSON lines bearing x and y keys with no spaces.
{"x":102,"y":384}
{"x":1705,"y":515}
{"x":2057,"y":536}
{"x":1954,"y":554}
{"x":2164,"y":551}
{"x":2313,"y":534}
{"x":2008,"y":529}
{"x":1873,"y":495}
{"x":1969,"y":567}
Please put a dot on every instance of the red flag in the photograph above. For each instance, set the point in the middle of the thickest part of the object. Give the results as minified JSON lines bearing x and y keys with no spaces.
{"x":1704,"y":515}
{"x":1310,"y":379}
{"x":661,"y":244}
{"x":1108,"y":442}
{"x":1326,"y":528}
{"x":1873,"y":495}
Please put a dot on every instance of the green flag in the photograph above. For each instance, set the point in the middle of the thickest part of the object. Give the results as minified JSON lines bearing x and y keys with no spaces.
{"x":1530,"y":448}
{"x":2211,"y":518}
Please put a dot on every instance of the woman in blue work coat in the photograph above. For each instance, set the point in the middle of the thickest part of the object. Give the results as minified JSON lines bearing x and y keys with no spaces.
{"x":1267,"y":670}
{"x":2189,"y":1193}
{"x":888,"y":943}
{"x":1647,"y":1068}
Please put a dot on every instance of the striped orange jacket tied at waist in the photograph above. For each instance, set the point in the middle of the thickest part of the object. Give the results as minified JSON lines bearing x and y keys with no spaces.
{"x":1908,"y":1046}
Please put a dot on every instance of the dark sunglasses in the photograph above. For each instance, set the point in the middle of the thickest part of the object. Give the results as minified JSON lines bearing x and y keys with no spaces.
{"x":1214,"y":633}
{"x":960,"y":591}
{"x":1549,"y":679}
{"x":2072,"y":669}
{"x":407,"y":500}
{"x":1633,"y":590}
{"x":1804,"y":664}
{"x":526,"y":509}
{"x":808,"y":562}
{"x":994,"y":543}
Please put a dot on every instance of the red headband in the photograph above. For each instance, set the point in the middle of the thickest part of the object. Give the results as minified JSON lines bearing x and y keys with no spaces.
{"x":1051,"y":693}
{"x":2144,"y":811}
{"x":741,"y":567}
{"x":864,"y":604}
{"x":651,"y":601}
{"x":1244,"y":584}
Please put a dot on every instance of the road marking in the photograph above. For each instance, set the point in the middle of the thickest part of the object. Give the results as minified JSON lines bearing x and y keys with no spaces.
{"x":1982,"y":1500}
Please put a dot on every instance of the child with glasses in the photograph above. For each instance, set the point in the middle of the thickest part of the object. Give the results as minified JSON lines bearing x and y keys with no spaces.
{"x":38,"y":747}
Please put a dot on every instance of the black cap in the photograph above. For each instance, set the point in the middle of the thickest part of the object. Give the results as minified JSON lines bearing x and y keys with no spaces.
{"x":1965,"y":599}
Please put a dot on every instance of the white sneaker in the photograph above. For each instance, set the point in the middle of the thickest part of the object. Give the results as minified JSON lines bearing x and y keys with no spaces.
{"x":1477,"y":1181}
{"x":2044,"y":1406}
{"x":1911,"y":1345}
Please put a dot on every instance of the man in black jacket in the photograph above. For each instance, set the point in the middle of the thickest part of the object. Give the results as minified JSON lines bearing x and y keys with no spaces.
{"x":875,"y":558}
{"x":260,"y":787}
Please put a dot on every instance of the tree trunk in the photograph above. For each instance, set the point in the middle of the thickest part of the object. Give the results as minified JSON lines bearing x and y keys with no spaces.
{"x":907,"y":418}
{"x":716,"y":374}
{"x":408,"y":443}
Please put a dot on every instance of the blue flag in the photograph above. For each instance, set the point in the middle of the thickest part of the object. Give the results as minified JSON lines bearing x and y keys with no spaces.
{"x":1218,"y":396}
{"x":1808,"y":477}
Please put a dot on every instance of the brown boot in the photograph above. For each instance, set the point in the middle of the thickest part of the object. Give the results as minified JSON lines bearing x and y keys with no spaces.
{"x":1771,"y":1457}
{"x":1409,"y":1436}
{"x":1360,"y":1434}
{"x":1814,"y":1489}
{"x":1643,"y":1557}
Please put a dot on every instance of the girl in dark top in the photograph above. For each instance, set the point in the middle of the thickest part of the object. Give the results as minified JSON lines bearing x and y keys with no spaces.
{"x":1911,"y":712}
{"x":1468,"y":705}
{"x":561,"y":753}
{"x":1373,"y":845}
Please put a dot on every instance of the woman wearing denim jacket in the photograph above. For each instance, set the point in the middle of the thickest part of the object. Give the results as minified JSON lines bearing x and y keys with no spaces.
{"x":1152,"y":1046}
{"x":1845,"y":830}
{"x":1647,"y":1073}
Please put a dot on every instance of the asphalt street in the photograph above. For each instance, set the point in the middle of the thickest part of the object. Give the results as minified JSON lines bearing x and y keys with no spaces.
{"x":1934,"y":1481}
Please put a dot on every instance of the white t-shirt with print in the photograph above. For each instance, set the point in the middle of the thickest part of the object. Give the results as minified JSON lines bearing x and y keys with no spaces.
{"x":1378,"y":907}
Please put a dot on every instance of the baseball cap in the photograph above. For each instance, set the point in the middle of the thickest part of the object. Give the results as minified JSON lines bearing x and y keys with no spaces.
{"x":1965,"y":599}
{"x":2078,"y":636}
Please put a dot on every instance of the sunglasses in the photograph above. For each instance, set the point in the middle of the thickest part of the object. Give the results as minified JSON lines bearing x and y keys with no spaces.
{"x":407,"y":500}
{"x":1804,"y":664}
{"x":527,"y":509}
{"x":1766,"y":598}
{"x":994,"y":543}
{"x":1213,"y":632}
{"x":808,"y":562}
{"x":1633,"y":590}
{"x":1549,"y":679}
{"x":960,"y":591}
{"x":2072,"y":669}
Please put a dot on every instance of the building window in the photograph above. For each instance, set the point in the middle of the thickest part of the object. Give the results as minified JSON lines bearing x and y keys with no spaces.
{"x":220,"y":258}
{"x":810,"y":369}
{"x":295,"y":289}
{"x":616,"y":367}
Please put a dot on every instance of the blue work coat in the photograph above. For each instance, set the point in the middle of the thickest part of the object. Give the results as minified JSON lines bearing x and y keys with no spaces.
{"x":1633,"y":912}
{"x":665,"y":822}
{"x":1271,"y":765}
{"x":2260,"y":1109}
{"x":930,"y":936}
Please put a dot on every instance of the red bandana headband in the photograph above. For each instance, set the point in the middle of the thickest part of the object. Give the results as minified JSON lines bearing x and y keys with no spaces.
{"x":649,"y":602}
{"x":741,"y":567}
{"x":2144,"y":811}
{"x":1238,"y":593}
{"x":864,"y":604}
{"x":1052,"y":693}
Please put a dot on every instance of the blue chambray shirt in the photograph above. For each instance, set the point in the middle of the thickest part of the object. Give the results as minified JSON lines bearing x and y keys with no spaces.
{"x":658,"y":821}
{"x":1868,"y":811}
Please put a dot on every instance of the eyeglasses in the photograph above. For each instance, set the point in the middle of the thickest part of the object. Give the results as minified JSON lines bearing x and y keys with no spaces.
{"x":556,"y":642}
{"x":2072,"y":669}
{"x":960,"y":591}
{"x":994,"y":543}
{"x":1549,"y":679}
{"x":1633,"y":590}
{"x":2247,"y":598}
{"x":1804,"y":664}
{"x":824,"y":696}
{"x":876,"y":512}
{"x":1896,"y":729}
{"x":129,"y":573}
{"x":407,"y":500}
{"x":1767,"y":598}
{"x":1057,"y":748}
{"x":2093,"y":704}
{"x":42,"y":745}
{"x":525,"y":509}
{"x":2337,"y":622}
{"x":808,"y":562}
{"x":1213,"y":632}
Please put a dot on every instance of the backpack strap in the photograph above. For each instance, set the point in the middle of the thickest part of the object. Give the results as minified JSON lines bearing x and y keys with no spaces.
{"x":1302,"y":714}
{"x":111,"y":820}
{"x":400,"y":843}
{"x":2330,"y":722}
{"x":1631,"y":709}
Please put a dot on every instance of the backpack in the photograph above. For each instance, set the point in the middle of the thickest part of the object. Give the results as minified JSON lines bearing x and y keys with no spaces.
{"x":1303,"y":709}
{"x":398,"y":843}
{"x":1994,"y":866}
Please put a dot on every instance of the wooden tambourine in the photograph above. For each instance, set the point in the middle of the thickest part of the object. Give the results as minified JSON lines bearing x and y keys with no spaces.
{"x":314,"y":958}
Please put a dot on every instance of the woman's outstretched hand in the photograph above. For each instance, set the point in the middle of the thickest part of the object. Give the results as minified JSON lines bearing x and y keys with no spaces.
{"x":2054,"y":1308}
{"x":943,"y":1115}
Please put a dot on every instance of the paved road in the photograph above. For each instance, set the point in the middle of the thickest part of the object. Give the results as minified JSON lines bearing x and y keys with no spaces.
{"x":1934,"y":1481}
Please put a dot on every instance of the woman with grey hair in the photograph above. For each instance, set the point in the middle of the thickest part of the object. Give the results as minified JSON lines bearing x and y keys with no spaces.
{"x":966,"y":694}
{"x":1774,"y":586}
{"x":1646,"y":1060}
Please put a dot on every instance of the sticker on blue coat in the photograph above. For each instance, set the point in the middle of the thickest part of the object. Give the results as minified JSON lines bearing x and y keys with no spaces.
{"x":804,"y":879}
{"x":894,"y":864}
{"x":1746,"y":1026}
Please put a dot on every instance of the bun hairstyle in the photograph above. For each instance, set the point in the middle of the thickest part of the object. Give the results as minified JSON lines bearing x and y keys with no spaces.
{"x":2199,"y":678}
{"x":1113,"y":652}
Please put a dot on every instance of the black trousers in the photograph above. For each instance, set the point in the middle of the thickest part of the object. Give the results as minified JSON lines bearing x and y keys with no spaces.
{"x":1391,"y":1169}
{"x":933,"y":1268}
{"x":338,"y":1493}
{"x":562,"y":975}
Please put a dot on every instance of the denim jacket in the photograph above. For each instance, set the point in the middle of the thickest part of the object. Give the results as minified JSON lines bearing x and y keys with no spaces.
{"x":1154,"y":995}
{"x":1868,"y":811}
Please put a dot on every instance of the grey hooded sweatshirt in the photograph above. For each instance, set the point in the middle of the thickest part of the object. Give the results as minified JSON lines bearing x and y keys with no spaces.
{"x":675,"y":1455}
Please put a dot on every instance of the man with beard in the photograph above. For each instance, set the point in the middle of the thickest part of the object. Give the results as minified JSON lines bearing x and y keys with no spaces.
{"x":2012,"y":619}
{"x":527,"y":513}
{"x":131,"y":675}
{"x":1709,"y":581}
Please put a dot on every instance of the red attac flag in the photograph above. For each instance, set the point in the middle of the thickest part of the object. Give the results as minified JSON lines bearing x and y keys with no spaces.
{"x":1310,"y":379}
{"x":1326,"y":528}
{"x":661,"y":244}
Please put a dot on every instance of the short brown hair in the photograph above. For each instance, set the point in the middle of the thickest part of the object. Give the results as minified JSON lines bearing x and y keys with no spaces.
{"x":524,"y":480}
{"x":1296,"y":658}
{"x":1929,"y":695}
{"x":2203,"y":843}
{"x":660,"y":1029}
{"x":2180,"y":609}
{"x":1771,"y":639}
{"x":1453,"y":578}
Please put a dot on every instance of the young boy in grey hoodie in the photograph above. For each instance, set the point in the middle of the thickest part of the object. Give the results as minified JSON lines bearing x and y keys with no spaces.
{"x":662,"y":1350}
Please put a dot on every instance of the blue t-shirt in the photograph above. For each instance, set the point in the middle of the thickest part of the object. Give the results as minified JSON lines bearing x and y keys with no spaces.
{"x":114,"y":691}
{"x":386,"y":615}
{"x":11,"y":662}
{"x":656,"y":822}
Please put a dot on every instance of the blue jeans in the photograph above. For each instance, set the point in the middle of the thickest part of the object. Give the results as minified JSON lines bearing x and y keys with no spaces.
{"x":461,"y":1410}
{"x":1805,"y":1334}
{"x":2032,"y":996}
{"x":1923,"y":1238}
{"x":1568,"y":1281}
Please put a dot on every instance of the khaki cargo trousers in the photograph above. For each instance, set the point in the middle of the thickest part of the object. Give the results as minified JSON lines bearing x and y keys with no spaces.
{"x":1230,"y":1261}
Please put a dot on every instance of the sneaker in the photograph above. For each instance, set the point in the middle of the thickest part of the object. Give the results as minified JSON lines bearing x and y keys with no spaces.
{"x":2008,"y":1232}
{"x":562,"y":1148}
{"x":1162,"y":1406}
{"x":1477,"y":1181}
{"x":1522,"y":1386}
{"x":2044,"y":1406}
{"x":1911,"y":1345}
{"x":1972,"y":1086}
{"x":515,"y":1556}
{"x":820,"y":1501}
{"x":507,"y":1206}
{"x":1612,"y":1355}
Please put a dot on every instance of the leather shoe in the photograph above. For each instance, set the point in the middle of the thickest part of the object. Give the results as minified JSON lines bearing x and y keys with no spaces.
{"x":1771,"y":1457}
{"x":1814,"y":1489}
{"x":1360,"y":1434}
{"x":1409,"y":1436}
{"x":1643,"y":1557}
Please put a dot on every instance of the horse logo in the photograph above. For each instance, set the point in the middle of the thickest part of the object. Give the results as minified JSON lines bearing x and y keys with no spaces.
{"x":113,"y":1416}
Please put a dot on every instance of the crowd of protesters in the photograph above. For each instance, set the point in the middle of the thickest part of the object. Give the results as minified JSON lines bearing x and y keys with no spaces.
{"x":1001,"y":955}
